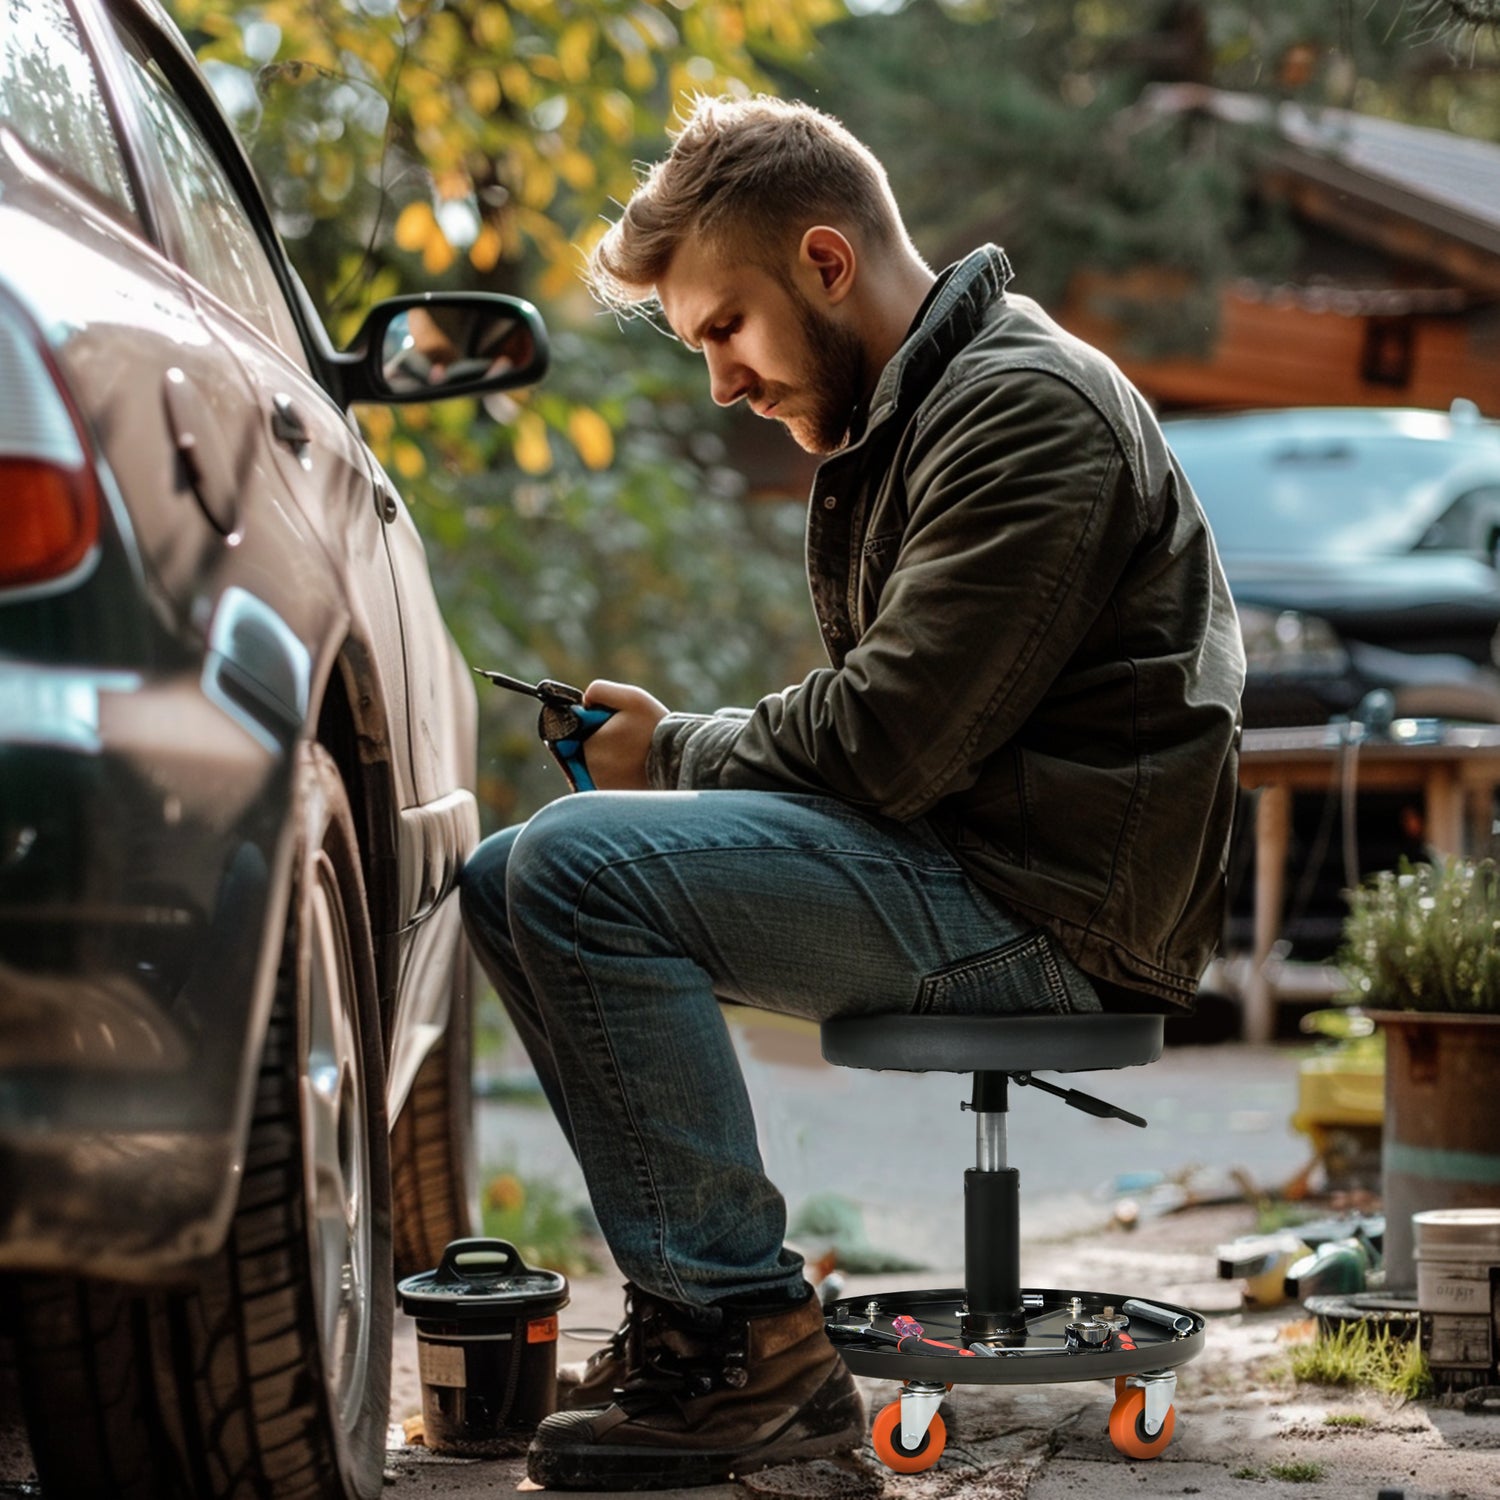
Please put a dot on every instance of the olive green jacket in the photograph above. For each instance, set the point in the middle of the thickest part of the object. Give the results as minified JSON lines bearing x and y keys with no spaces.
{"x":1031,"y":639}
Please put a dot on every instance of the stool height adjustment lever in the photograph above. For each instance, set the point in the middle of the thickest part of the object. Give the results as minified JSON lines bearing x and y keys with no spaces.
{"x":1079,"y":1100}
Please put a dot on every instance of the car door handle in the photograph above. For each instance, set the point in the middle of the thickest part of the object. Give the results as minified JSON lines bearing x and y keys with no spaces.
{"x":287,"y":425}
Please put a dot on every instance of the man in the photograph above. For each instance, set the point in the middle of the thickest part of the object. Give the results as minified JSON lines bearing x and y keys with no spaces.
{"x":1010,"y":790}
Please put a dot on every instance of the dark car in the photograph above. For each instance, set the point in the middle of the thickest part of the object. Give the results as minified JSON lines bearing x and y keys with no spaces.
{"x":236,"y":770}
{"x":1361,"y":548}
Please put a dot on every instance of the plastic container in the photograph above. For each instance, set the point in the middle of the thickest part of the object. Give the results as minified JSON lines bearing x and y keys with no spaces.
{"x":486,"y":1347}
{"x":1458,"y":1291}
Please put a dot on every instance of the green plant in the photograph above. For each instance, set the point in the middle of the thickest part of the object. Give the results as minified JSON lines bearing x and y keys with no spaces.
{"x":1426,"y":937}
{"x":1346,"y":1419}
{"x":1356,"y":1354}
{"x":1244,"y":1473}
{"x":535,"y":1219}
{"x":1296,"y":1471}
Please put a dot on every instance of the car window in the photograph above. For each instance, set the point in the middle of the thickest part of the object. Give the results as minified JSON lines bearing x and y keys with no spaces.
{"x":50,"y":97}
{"x":1470,"y":524}
{"x":221,"y":247}
{"x":1303,"y":494}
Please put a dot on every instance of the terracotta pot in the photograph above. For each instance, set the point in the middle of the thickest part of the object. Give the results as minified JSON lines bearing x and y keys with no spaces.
{"x":1441,"y":1142}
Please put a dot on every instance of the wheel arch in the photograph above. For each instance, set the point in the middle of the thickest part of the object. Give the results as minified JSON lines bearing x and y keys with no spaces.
{"x":353,"y":726}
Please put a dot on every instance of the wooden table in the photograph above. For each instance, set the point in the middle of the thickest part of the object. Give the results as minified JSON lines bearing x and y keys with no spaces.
{"x":1456,"y":768}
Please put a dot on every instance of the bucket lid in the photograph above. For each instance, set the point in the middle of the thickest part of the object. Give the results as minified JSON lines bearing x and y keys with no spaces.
{"x":480,"y":1278}
{"x":1441,"y":1232}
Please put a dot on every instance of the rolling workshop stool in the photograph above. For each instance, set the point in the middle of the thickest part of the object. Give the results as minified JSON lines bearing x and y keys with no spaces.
{"x":992,"y":1331}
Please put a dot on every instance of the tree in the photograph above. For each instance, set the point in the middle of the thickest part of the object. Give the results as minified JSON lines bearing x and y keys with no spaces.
{"x":1042,"y":138}
{"x":588,"y":527}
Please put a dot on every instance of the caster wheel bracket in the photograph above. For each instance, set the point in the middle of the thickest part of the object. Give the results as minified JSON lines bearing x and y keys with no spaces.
{"x":1160,"y":1387}
{"x":920,"y":1400}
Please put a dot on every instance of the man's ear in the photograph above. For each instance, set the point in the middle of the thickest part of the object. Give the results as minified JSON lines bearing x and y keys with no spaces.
{"x":826,"y":253}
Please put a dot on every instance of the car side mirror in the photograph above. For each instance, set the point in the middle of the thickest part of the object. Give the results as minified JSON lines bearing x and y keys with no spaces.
{"x":435,"y":345}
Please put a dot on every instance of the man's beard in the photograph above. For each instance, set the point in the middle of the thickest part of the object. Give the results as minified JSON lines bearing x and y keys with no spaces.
{"x":831,"y":385}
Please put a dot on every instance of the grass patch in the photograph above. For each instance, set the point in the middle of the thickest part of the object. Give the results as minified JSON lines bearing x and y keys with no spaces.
{"x":534,"y":1217}
{"x":1356,"y":1354}
{"x":1297,"y":1471}
{"x":1244,"y":1473}
{"x":1346,"y":1419}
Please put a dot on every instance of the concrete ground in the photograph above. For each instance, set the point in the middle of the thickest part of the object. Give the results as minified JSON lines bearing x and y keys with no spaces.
{"x":1244,"y":1427}
{"x":896,"y":1146}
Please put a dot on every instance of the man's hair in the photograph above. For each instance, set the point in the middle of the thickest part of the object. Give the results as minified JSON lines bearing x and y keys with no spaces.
{"x":749,"y":176}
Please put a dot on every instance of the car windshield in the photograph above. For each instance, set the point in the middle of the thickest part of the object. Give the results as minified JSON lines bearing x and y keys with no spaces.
{"x":1298,"y":489}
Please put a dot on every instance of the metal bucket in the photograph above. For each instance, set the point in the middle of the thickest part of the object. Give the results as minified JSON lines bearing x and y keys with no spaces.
{"x":1458,"y":1292}
{"x":486,"y":1347}
{"x":1442,"y":1144}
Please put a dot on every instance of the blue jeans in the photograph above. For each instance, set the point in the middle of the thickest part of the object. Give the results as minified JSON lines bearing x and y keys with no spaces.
{"x":612,"y":923}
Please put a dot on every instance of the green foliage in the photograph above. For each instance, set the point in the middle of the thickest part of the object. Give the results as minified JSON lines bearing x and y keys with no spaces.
{"x":442,"y":137}
{"x":656,"y":570}
{"x":589,"y":527}
{"x":1296,"y":1471}
{"x":533,"y":1217}
{"x":1051,"y":140}
{"x":1426,"y":937}
{"x":1357,"y":1354}
{"x":1350,"y":1419}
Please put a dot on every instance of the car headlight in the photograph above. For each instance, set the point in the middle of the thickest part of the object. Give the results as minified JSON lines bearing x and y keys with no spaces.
{"x":1286,"y":642}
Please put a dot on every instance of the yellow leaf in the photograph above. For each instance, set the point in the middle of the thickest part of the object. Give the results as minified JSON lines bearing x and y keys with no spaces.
{"x":575,"y":50}
{"x":407,"y":458}
{"x":483,"y":88}
{"x":639,"y":73}
{"x":591,"y":437}
{"x":557,"y":281}
{"x":576,"y":169}
{"x":415,"y":225}
{"x":379,"y":422}
{"x":437,"y":253}
{"x":492,"y":26}
{"x":429,"y":109}
{"x":518,"y":84}
{"x":451,"y":184}
{"x":539,"y":185}
{"x":533,"y":453}
{"x":484,"y":253}
{"x":617,"y":115}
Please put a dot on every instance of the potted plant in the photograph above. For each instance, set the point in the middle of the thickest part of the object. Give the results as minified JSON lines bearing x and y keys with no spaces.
{"x":1422,"y":955}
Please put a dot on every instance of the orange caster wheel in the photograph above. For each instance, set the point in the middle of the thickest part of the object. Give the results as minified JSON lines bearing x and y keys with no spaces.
{"x":885,"y":1437}
{"x":1127,"y":1426}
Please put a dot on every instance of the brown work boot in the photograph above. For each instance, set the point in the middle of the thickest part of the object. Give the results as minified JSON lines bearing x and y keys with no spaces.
{"x":708,"y":1393}
{"x":593,"y":1382}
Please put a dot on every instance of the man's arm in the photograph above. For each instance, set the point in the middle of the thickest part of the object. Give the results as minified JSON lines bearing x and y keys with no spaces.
{"x":1023,"y":516}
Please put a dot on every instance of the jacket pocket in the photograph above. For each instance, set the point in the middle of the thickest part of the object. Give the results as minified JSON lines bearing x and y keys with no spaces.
{"x":1024,"y":976}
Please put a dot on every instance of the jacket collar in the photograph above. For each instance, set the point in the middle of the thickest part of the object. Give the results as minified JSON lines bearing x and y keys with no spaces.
{"x":965,"y":293}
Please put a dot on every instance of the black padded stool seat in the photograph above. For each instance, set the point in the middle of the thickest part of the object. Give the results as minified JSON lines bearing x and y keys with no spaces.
{"x":1002,"y":1044}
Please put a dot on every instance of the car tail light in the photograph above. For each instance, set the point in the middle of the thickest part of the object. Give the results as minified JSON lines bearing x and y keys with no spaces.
{"x":49,"y":493}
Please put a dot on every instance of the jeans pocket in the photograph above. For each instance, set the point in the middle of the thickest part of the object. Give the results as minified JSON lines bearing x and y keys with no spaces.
{"x":1026,"y":975}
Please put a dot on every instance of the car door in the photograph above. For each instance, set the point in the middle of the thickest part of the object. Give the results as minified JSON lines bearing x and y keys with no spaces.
{"x":312,"y":451}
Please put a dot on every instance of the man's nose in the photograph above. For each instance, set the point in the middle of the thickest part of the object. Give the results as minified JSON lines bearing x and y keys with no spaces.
{"x":728,"y":379}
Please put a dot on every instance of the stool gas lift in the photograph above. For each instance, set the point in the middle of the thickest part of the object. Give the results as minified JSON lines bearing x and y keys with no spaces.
{"x":992,"y":1331}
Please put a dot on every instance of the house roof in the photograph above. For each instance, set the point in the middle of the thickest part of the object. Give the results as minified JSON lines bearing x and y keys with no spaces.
{"x":1448,"y":183}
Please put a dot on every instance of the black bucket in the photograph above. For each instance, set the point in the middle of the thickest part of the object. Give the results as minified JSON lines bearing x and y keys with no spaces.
{"x":486,"y":1347}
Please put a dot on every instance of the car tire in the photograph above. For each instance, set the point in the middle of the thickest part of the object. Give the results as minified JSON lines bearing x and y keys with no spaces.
{"x":434,"y":1179}
{"x":271,"y":1373}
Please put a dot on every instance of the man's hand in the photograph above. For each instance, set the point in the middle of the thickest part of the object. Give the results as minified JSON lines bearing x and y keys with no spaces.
{"x":616,"y":751}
